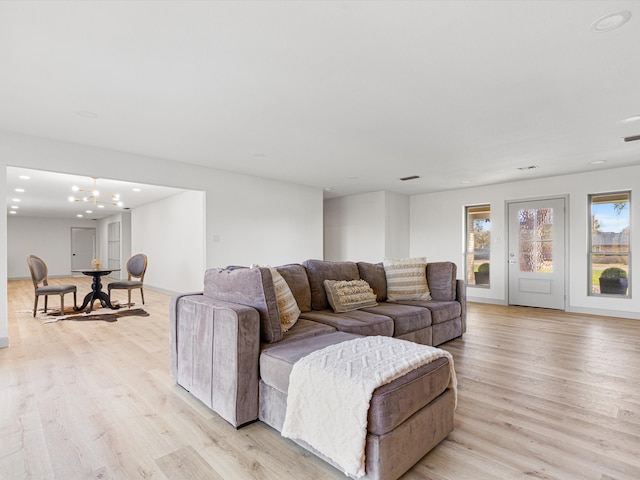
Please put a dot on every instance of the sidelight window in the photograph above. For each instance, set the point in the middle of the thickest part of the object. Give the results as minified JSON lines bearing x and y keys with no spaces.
{"x":609,"y":245}
{"x":478,"y":244}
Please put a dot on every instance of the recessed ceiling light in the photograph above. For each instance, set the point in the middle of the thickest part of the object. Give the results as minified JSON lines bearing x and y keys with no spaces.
{"x":16,"y":200}
{"x":15,"y":207}
{"x":100,"y":206}
{"x":465,"y":182}
{"x":13,"y":212}
{"x":24,"y":177}
{"x":20,"y":190}
{"x":633,"y":118}
{"x":328,"y":189}
{"x":137,"y":190}
{"x":611,"y":21}
{"x":88,"y":211}
{"x":79,"y":215}
{"x":597,"y":162}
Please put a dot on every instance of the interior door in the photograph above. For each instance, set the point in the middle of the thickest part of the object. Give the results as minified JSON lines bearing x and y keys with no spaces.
{"x":537,"y":253}
{"x":83,"y":247}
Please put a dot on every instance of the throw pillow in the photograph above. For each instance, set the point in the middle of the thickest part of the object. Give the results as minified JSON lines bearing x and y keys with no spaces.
{"x":287,"y":305}
{"x":406,"y":279}
{"x":349,"y":295}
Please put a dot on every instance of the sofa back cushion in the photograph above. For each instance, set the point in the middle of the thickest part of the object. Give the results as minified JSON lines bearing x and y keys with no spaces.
{"x":441,"y":277}
{"x":319,"y":270}
{"x":373,"y":274}
{"x":252,"y":287}
{"x":296,"y":277}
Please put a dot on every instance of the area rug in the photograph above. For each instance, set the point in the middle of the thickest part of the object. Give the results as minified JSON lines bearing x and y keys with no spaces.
{"x":102,"y":314}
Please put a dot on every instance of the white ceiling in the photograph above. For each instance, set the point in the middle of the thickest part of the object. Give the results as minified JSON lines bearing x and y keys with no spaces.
{"x":46,"y":194}
{"x":346,"y":95}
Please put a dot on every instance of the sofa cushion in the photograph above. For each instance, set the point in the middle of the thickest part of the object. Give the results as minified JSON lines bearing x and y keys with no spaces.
{"x":441,"y":277}
{"x":287,"y":305}
{"x":349,"y":295}
{"x":252,"y":287}
{"x":406,"y":318}
{"x":373,"y":274}
{"x":440,"y":311}
{"x":358,"y":322}
{"x":276,"y":360}
{"x":390,"y":405}
{"x":318,"y":271}
{"x":296,"y":277}
{"x":393,"y":403}
{"x":406,"y":279}
{"x":304,"y":329}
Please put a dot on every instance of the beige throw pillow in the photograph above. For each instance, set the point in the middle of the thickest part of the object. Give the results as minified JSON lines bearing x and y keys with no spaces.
{"x":287,"y":305}
{"x":349,"y":295}
{"x":406,"y":279}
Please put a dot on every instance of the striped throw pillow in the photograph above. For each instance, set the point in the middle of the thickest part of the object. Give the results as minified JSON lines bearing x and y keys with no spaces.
{"x":287,"y":305}
{"x":406,"y":279}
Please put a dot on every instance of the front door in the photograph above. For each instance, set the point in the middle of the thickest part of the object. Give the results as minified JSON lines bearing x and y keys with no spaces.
{"x":83,"y":247}
{"x":537,"y":253}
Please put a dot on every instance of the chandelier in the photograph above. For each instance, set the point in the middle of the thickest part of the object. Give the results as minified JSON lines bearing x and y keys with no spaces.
{"x":93,"y":196}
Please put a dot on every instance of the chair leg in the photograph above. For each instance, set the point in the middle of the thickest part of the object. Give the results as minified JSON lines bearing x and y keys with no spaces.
{"x":46,"y":300}
{"x":62,"y":304}
{"x":128,"y":298}
{"x":142,"y":295}
{"x":75,"y":303}
{"x":35,"y":306}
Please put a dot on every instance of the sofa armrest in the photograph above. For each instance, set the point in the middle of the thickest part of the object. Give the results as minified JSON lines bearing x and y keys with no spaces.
{"x":461,"y":296}
{"x":215,"y":348}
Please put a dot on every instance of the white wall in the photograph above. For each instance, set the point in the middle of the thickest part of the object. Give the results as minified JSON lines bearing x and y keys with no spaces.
{"x":248,"y":219}
{"x":437,"y":230}
{"x":354,"y":228}
{"x":48,"y":238}
{"x":171,"y":233}
{"x":366,"y":227}
{"x":397,"y":225}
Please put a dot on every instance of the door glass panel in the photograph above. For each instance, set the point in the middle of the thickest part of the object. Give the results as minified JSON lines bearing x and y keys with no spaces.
{"x":536,"y":240}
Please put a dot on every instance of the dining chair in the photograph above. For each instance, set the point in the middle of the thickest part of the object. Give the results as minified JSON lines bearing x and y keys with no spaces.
{"x":39,"y":275}
{"x":136,"y":267}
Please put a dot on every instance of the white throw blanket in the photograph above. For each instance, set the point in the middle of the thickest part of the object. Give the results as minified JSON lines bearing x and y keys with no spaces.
{"x":330,"y":391}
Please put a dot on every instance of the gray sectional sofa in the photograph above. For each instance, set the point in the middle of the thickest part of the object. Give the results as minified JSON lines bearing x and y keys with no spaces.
{"x":228,"y":350}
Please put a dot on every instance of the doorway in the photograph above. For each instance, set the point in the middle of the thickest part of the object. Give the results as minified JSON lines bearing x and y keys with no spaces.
{"x":83,"y":247}
{"x":536,"y":258}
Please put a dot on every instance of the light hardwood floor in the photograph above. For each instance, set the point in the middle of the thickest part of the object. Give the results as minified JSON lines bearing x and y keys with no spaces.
{"x":542,"y":394}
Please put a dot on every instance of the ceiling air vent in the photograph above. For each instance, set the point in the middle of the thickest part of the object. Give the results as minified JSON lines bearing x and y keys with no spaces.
{"x":632,"y":139}
{"x":412,"y":177}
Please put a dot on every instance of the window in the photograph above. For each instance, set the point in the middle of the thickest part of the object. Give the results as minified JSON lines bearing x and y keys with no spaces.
{"x":478,"y":244}
{"x":609,"y":251}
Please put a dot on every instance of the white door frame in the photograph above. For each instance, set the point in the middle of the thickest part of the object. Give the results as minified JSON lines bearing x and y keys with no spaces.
{"x":567,"y":233}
